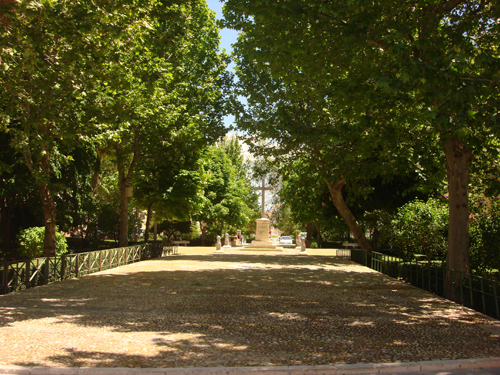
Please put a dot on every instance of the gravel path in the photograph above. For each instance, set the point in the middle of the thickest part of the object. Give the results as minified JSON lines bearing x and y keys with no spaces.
{"x":236,"y":309}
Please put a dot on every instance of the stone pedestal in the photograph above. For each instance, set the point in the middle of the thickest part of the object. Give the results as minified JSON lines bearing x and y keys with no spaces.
{"x":298,"y":240}
{"x":238,"y":235}
{"x":226,"y":241}
{"x":218,"y":247}
{"x":303,"y":247}
{"x":261,"y":241}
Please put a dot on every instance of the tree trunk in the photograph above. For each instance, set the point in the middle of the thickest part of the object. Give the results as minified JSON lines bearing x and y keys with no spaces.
{"x":6,"y":215}
{"x":136,"y":225}
{"x":203,"y":228}
{"x":375,"y":238}
{"x":318,"y":235}
{"x":346,"y":214}
{"x":148,"y":222}
{"x":48,"y":204}
{"x":458,"y":160}
{"x":376,"y":232}
{"x":309,"y":232}
{"x":123,"y":228}
{"x":124,"y":180}
{"x":97,"y":173}
{"x":49,"y":216}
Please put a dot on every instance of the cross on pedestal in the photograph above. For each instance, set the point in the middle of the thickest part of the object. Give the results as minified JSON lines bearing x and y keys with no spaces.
{"x":263,"y":188}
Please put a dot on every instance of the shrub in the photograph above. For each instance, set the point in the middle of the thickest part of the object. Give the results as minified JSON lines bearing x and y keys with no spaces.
{"x":31,"y":242}
{"x":419,"y":227}
{"x":484,"y":233}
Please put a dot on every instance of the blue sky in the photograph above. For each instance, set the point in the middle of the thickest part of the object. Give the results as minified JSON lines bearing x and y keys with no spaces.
{"x":227,"y":38}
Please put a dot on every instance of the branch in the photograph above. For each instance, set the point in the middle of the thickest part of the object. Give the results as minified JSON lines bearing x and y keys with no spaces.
{"x":449,"y":6}
{"x":135,"y":159}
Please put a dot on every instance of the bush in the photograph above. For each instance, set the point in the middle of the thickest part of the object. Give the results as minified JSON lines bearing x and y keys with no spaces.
{"x":419,"y":227}
{"x":31,"y":242}
{"x":484,"y":233}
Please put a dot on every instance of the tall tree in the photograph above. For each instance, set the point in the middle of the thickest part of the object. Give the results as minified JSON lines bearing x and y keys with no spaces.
{"x":442,"y":56}
{"x":171,"y":185}
{"x":172,"y":80}
{"x":50,"y":54}
{"x":307,"y":128}
{"x":102,"y":73}
{"x":230,"y":200}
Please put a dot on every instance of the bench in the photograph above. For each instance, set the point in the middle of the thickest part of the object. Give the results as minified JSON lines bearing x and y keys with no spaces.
{"x":350,"y":245}
{"x":183,"y":243}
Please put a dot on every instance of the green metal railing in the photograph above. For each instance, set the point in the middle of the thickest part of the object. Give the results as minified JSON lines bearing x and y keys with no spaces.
{"x":29,"y":273}
{"x":473,"y":291}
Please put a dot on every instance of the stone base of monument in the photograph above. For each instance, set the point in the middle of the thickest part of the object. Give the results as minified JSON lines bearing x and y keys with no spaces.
{"x":261,"y":242}
{"x":263,"y":246}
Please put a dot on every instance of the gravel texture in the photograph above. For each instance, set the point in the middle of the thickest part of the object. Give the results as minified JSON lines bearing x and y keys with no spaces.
{"x":236,"y":309}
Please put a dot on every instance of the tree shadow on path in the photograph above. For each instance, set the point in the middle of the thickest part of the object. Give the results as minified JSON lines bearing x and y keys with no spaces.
{"x":238,"y":311}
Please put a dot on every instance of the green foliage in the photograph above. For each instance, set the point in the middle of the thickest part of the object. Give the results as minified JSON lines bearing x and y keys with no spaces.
{"x":281,"y":219}
{"x":325,"y":128}
{"x":485,"y":236}
{"x":367,"y":88}
{"x":418,"y":228}
{"x":79,"y":76}
{"x":109,"y":220}
{"x":31,"y":242}
{"x":173,"y":230}
{"x":230,"y":202}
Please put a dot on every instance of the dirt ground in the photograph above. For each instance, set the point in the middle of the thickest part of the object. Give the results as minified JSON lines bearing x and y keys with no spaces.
{"x":239,"y":308}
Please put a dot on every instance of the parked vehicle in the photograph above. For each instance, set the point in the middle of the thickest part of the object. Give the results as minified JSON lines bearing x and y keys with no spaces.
{"x":286,"y":240}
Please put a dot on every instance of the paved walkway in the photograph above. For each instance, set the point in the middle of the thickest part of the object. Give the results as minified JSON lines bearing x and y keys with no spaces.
{"x":238,"y":310}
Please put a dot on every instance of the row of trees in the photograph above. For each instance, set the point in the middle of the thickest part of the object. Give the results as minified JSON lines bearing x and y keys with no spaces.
{"x":355,"y":94}
{"x":101,"y":96}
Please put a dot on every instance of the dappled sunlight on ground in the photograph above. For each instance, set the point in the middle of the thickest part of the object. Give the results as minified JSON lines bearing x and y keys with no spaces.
{"x":235,"y":310}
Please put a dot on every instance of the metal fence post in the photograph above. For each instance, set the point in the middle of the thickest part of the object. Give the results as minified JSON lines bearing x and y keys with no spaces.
{"x":482,"y":295}
{"x":444,"y":281}
{"x":77,"y":265}
{"x":63,"y":266}
{"x":28,"y":272}
{"x":470,"y":291}
{"x":5,"y":277}
{"x":436,"y":288}
{"x":429,"y":277}
{"x":496,"y":298}
{"x":46,"y":266}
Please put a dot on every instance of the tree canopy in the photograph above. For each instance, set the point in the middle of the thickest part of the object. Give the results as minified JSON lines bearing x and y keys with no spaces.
{"x":412,"y":67}
{"x":230,"y":202}
{"x":101,"y":74}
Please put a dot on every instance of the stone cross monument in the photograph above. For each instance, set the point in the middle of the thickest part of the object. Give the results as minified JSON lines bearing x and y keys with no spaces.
{"x":263,"y":188}
{"x":262,"y":226}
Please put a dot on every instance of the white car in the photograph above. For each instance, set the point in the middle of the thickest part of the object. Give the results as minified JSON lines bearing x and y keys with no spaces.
{"x":286,"y":240}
